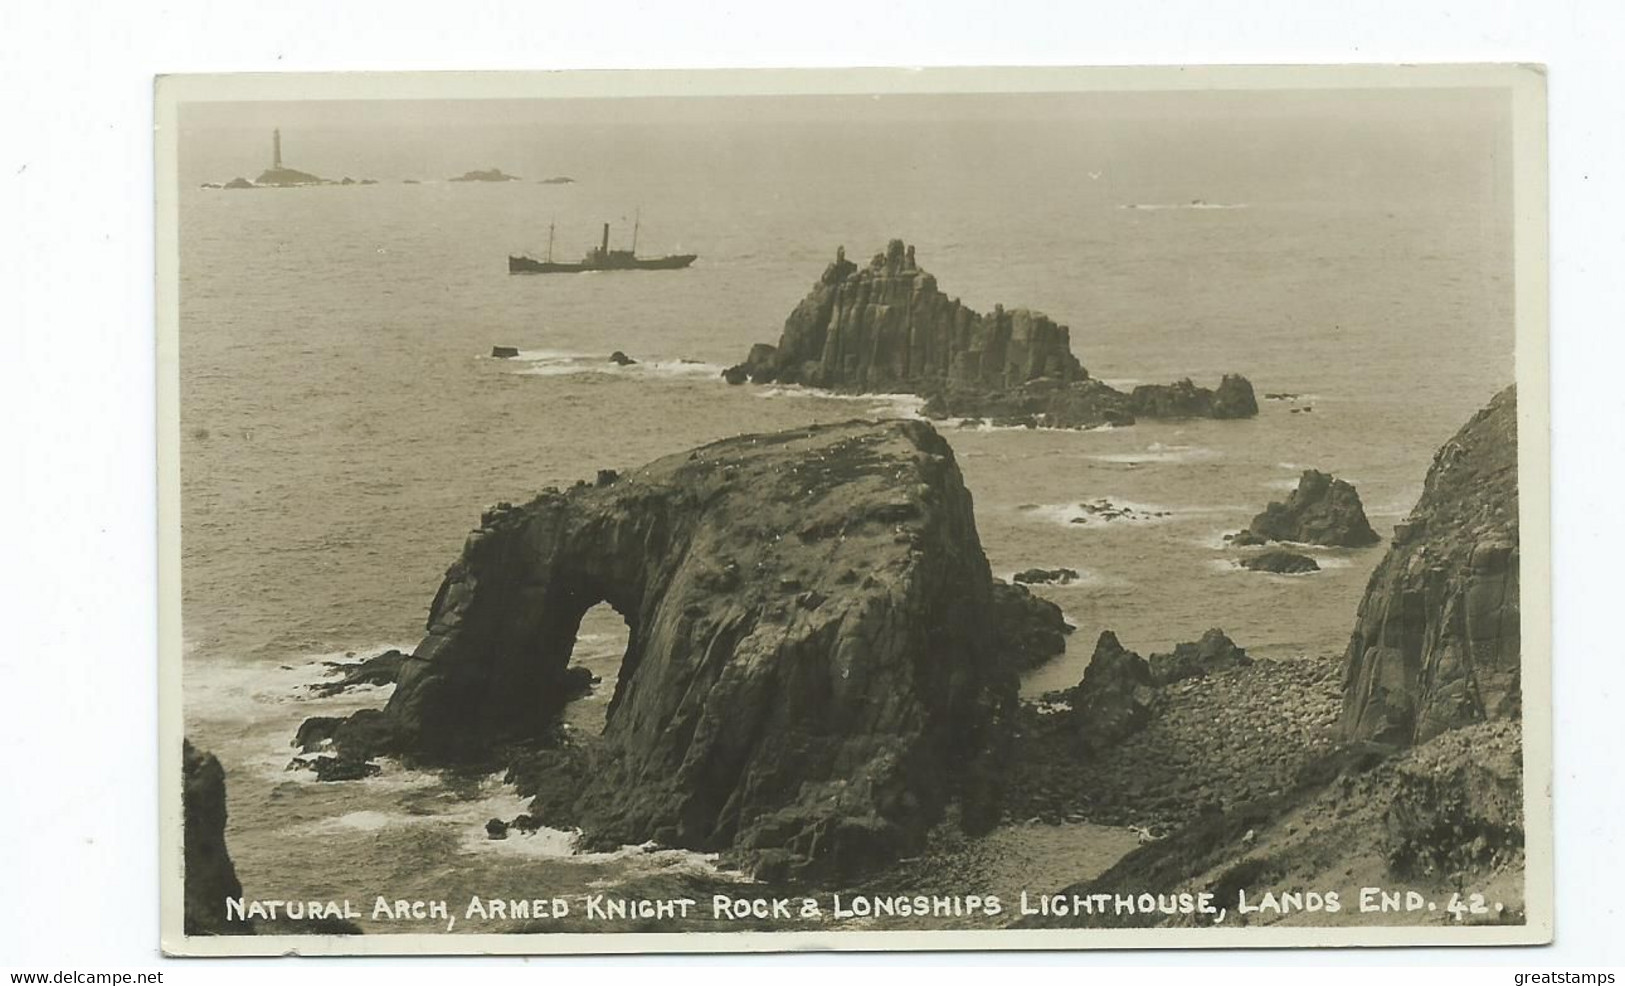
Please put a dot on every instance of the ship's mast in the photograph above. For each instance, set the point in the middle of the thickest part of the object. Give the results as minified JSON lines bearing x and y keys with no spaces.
{"x":550,"y":242}
{"x":276,"y":148}
{"x":637,"y":220}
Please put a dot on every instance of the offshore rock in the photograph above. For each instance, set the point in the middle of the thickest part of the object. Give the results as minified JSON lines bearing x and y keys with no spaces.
{"x":209,"y":876}
{"x":1437,"y":641}
{"x":887,"y":328}
{"x":1115,"y":696}
{"x":1279,"y":561}
{"x":812,"y":673}
{"x":1322,"y":510}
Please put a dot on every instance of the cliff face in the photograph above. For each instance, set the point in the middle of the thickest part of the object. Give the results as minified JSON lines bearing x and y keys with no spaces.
{"x":209,"y":876}
{"x":886,"y":328}
{"x":1436,"y":644}
{"x":811,"y":672}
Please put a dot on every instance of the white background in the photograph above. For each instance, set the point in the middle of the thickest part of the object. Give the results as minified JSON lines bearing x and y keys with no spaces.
{"x":78,"y":816}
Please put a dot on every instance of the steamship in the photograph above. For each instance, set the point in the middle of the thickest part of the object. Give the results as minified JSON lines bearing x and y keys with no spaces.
{"x":600,"y":257}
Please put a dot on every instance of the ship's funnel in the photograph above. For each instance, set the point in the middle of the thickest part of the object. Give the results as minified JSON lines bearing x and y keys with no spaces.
{"x":605,"y":247}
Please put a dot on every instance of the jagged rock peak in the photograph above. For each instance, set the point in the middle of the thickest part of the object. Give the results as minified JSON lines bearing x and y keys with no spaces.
{"x":1437,"y":643}
{"x":887,"y":328}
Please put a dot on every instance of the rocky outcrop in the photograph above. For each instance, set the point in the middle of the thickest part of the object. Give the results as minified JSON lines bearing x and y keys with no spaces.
{"x":382,"y":669}
{"x":1114,"y":698}
{"x":1046,"y":576}
{"x":887,"y":328}
{"x":813,"y":673}
{"x":1437,"y":643}
{"x":210,"y":876}
{"x":1029,"y":629}
{"x":1279,"y":561}
{"x":494,"y":174}
{"x":1322,"y":510}
{"x":1215,"y":651}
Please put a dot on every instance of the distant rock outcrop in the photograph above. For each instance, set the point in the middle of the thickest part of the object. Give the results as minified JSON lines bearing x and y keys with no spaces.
{"x":1437,"y":641}
{"x":813,"y":673}
{"x":886,"y":328}
{"x":281,"y":177}
{"x":494,"y":174}
{"x":210,"y":877}
{"x":1322,"y":510}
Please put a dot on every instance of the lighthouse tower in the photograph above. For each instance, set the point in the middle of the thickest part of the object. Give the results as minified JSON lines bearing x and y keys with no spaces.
{"x":276,"y":148}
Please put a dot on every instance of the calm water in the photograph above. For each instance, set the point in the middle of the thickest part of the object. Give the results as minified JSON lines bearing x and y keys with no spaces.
{"x":342,"y":426}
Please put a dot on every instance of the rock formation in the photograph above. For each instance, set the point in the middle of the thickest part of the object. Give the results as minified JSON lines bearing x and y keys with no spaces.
{"x":210,"y":876}
{"x":1322,"y":510}
{"x":1437,"y":641}
{"x":1196,"y":660}
{"x":813,"y":674}
{"x":1029,"y":629}
{"x":886,"y":328}
{"x":1278,"y":561}
{"x":494,"y":174}
{"x":1114,"y":698}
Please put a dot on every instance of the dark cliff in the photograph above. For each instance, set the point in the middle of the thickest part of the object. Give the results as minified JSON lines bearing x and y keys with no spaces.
{"x":1437,"y":642}
{"x":210,"y":876}
{"x":887,"y":328}
{"x":812,"y":675}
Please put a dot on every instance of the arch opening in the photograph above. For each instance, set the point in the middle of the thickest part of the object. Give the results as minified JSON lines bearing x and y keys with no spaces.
{"x":602,"y":640}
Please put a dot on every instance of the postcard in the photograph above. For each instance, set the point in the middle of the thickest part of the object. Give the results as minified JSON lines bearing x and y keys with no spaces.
{"x":854,"y":509}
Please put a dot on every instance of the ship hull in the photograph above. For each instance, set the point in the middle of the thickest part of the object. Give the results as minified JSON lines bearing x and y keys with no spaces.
{"x":525,"y":265}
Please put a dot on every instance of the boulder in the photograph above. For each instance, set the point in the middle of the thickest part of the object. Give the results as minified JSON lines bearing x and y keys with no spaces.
{"x":887,"y":328}
{"x":621,"y":359}
{"x":1030,"y":629}
{"x":1322,"y":510}
{"x":1213,"y":652}
{"x":1114,"y":698}
{"x":1046,"y":576}
{"x":813,"y":670}
{"x":504,"y":352}
{"x":1437,"y":641}
{"x":209,"y":876}
{"x":1279,"y":561}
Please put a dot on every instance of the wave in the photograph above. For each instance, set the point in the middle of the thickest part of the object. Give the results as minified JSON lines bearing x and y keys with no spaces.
{"x":559,"y":363}
{"x":1100,"y":512}
{"x":896,"y":405}
{"x":1160,"y":453}
{"x":1196,"y":205}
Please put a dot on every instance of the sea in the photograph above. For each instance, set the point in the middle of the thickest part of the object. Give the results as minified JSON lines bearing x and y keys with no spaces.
{"x":343,"y":422}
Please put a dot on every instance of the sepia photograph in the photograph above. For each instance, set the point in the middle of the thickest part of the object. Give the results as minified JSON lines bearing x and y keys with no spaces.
{"x":853,"y":509}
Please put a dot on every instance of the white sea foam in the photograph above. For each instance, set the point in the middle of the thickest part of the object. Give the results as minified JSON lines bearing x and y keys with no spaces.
{"x":1159,"y":452}
{"x":1088,"y":514}
{"x":892,"y":405}
{"x":1198,"y":206}
{"x":558,"y":363}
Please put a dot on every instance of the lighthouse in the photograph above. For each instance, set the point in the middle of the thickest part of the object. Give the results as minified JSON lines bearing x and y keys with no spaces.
{"x":276,"y":148}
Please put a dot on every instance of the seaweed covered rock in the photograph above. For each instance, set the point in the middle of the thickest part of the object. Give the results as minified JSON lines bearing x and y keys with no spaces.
{"x":1321,"y":510}
{"x":812,"y":675}
{"x":1437,"y":641}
